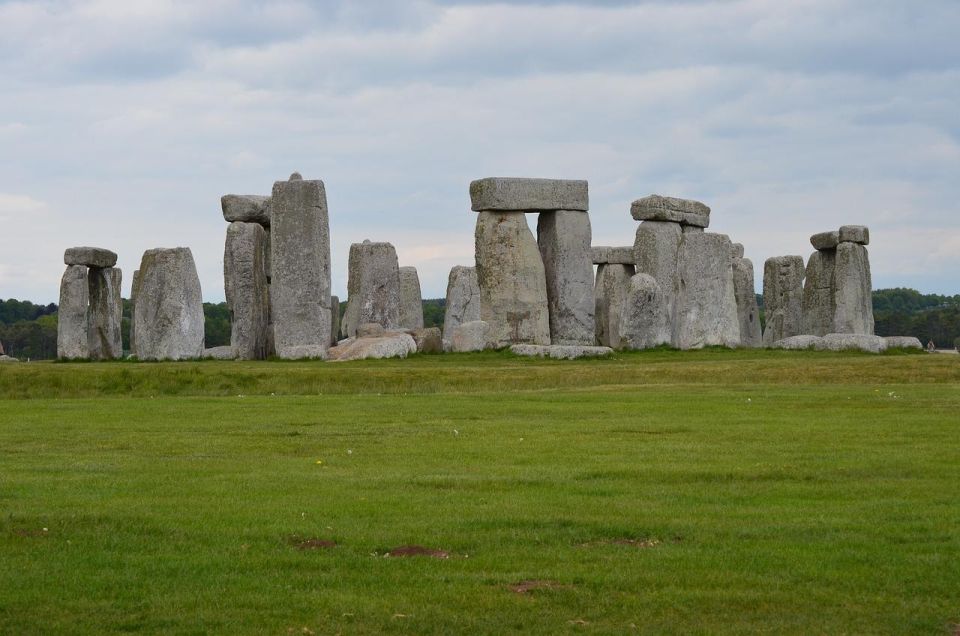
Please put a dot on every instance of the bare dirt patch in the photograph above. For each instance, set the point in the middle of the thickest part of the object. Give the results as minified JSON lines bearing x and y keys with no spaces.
{"x":21,"y":532}
{"x":633,"y":543}
{"x":533,"y":585}
{"x":417,"y":551}
{"x":311,"y":544}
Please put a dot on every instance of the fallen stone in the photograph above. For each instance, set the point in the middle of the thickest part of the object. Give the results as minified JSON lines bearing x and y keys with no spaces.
{"x":428,"y":340}
{"x":73,"y":322}
{"x":819,"y":302}
{"x":855,"y":234}
{"x":611,"y":289}
{"x":903,"y":342}
{"x":671,"y":209}
{"x":825,"y":240}
{"x":5,"y":359}
{"x":373,"y":285}
{"x":169,"y":317}
{"x":564,"y":240}
{"x":220,"y":353}
{"x":513,"y":287}
{"x":247,"y":292}
{"x":507,"y":194}
{"x":705,"y":312}
{"x":105,"y":313}
{"x":335,"y":320}
{"x":644,"y":322}
{"x":246,"y":208}
{"x":783,"y":297}
{"x":853,"y":341}
{"x":303,"y":352}
{"x":799,"y":342}
{"x":655,"y":252}
{"x":463,"y":300}
{"x":853,"y":290}
{"x":470,"y":336}
{"x":748,"y":313}
{"x":411,"y":301}
{"x":560,"y":352}
{"x":612,"y":255}
{"x":392,"y":344}
{"x":90,"y":257}
{"x":370,"y":330}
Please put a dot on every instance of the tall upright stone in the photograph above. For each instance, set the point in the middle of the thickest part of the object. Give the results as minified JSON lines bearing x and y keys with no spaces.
{"x":106,"y":309}
{"x":819,"y":302}
{"x":411,"y":301}
{"x":300,"y":254}
{"x":705,"y":303}
{"x":73,"y":326}
{"x":513,"y":286}
{"x":853,"y":289}
{"x":334,"y":320}
{"x":373,"y":287}
{"x":611,"y":289}
{"x":169,"y":319}
{"x":782,"y":298}
{"x":644,"y":322}
{"x":134,"y":292}
{"x":656,"y":250}
{"x":463,"y":300}
{"x":247,"y":292}
{"x":564,"y":239}
{"x":748,"y":312}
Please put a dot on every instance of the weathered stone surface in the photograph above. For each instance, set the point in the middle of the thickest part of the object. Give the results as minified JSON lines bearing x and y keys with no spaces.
{"x":560,"y":352}
{"x":853,"y":290}
{"x":470,"y":336}
{"x":705,"y":312}
{"x":373,"y":286}
{"x":903,"y":342}
{"x":334,"y":320}
{"x":300,"y":253}
{"x":564,"y":240}
{"x":671,"y":209}
{"x":855,"y":234}
{"x":246,"y":208}
{"x":692,"y":229}
{"x":463,"y":299}
{"x":655,"y":252}
{"x":748,"y":314}
{"x":411,"y":302}
{"x":6,"y":359}
{"x":370,"y":330}
{"x":612,"y":255}
{"x":825,"y":240}
{"x":73,"y":326}
{"x":247,"y":292}
{"x":819,"y":304}
{"x":644,"y":322}
{"x":220,"y":353}
{"x":853,"y":341}
{"x":169,"y":317}
{"x":106,"y":309}
{"x":783,"y":297}
{"x":513,"y":287}
{"x":303,"y":352}
{"x":736,"y":250}
{"x":611,"y":289}
{"x":799,"y":342}
{"x":428,"y":340}
{"x":528,"y":195}
{"x":134,"y":292}
{"x":391,"y":344}
{"x":90,"y":257}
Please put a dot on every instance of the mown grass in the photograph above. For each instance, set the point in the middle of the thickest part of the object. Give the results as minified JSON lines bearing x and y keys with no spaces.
{"x":766,"y":492}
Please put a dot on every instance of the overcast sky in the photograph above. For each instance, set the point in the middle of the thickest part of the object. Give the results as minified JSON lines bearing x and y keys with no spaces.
{"x":122,"y":122}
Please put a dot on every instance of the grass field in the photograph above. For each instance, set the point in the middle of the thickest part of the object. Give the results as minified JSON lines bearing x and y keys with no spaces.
{"x":658,"y":492}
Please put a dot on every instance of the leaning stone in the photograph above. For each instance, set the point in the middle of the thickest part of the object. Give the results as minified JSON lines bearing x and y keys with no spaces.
{"x":853,"y":341}
{"x":335,"y":320}
{"x":370,"y":330}
{"x":782,"y":297}
{"x":303,"y":352}
{"x":560,"y":352}
{"x":470,"y":336}
{"x":300,"y":253}
{"x":748,"y":313}
{"x":246,"y":208}
{"x":463,"y":299}
{"x":247,"y":292}
{"x":855,"y":234}
{"x":513,"y":287}
{"x":90,"y":257}
{"x":825,"y":240}
{"x":819,"y":302}
{"x":373,"y":285}
{"x":853,"y":290}
{"x":564,"y":240}
{"x":169,"y":318}
{"x":391,"y":344}
{"x":671,"y":209}
{"x":612,"y":255}
{"x":411,"y":301}
{"x":73,"y":326}
{"x":611,"y":290}
{"x":220,"y":353}
{"x":799,"y":342}
{"x":903,"y":342}
{"x":655,"y":252}
{"x":705,"y":312}
{"x":428,"y":340}
{"x":643,"y":317}
{"x":528,"y":195}
{"x":106,"y":310}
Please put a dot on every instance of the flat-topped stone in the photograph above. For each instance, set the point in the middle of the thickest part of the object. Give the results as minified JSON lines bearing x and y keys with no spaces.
{"x":797,"y":343}
{"x":604,"y":255}
{"x":660,"y":208}
{"x":855,"y":234}
{"x":390,"y":344}
{"x":90,"y":257}
{"x":852,"y":341}
{"x":225,"y":352}
{"x":825,"y":240}
{"x":470,"y":336}
{"x":903,"y":342}
{"x":528,"y":195}
{"x":246,"y":208}
{"x":560,"y":352}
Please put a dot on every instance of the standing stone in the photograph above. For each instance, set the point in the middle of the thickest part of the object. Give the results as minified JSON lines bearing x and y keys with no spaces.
{"x":300,"y":253}
{"x":564,"y":239}
{"x":134,"y":292}
{"x":245,"y":283}
{"x":463,"y":299}
{"x":655,"y":251}
{"x":706,"y":303}
{"x":169,"y":318}
{"x":747,"y":311}
{"x":411,"y":302}
{"x":611,"y":289}
{"x":643,"y":318}
{"x":73,"y":316}
{"x":373,"y":287}
{"x":513,"y":287}
{"x":106,"y":309}
{"x":782,"y":298}
{"x":819,"y":302}
{"x":335,"y":320}
{"x":853,"y":290}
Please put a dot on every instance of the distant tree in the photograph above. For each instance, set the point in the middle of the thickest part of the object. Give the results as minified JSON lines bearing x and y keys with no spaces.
{"x":434,"y":311}
{"x":216,"y":324}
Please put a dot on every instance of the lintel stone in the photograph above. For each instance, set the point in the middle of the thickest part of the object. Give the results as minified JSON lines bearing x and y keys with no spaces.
{"x":528,"y":195}
{"x":603,"y":255}
{"x":825,"y":240}
{"x":671,"y":209}
{"x":89,"y":257}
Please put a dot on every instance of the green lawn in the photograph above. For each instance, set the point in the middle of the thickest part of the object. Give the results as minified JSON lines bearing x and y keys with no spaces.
{"x":660,"y":492}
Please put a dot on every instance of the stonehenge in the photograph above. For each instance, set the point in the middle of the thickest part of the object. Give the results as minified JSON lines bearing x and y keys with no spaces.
{"x":643,"y":319}
{"x":373,"y":287}
{"x":564,"y":239}
{"x":748,"y":313}
{"x":610,"y":290}
{"x":169,"y":319}
{"x":246,"y":289}
{"x":705,"y":310}
{"x":463,"y":300}
{"x":837,"y":290}
{"x":88,"y":325}
{"x":411,"y":300}
{"x":782,"y":297}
